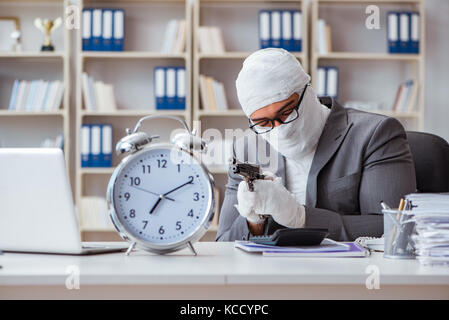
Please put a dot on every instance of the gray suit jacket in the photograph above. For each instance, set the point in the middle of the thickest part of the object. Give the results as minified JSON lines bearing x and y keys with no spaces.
{"x":361,"y":159}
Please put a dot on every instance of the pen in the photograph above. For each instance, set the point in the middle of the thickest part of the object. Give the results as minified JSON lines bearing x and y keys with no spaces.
{"x":384,"y":205}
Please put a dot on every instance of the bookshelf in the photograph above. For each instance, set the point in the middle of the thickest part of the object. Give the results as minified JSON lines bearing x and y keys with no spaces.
{"x":353,"y":58}
{"x":238,"y":22}
{"x":32,"y":64}
{"x":147,"y":20}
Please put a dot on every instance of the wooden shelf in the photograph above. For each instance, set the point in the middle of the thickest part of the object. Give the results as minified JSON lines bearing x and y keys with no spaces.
{"x":87,"y":170}
{"x":131,"y":113}
{"x":130,"y":55}
{"x":34,"y":55}
{"x":236,"y":55}
{"x":367,"y":56}
{"x":31,"y":113}
{"x":228,"y":113}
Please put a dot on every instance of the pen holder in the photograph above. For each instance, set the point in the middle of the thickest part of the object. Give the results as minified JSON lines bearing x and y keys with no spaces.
{"x":398,"y":228}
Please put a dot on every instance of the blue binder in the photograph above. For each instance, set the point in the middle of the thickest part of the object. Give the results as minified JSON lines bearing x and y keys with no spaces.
{"x":297,"y":30}
{"x":276,"y":29}
{"x":393,"y":32}
{"x":106,"y":146}
{"x":404,"y":32}
{"x":96,"y":29}
{"x":264,"y":29}
{"x":118,"y":30}
{"x":180,"y":88}
{"x":107,"y":29}
{"x":159,"y":84}
{"x":170,"y":89}
{"x":95,"y":145}
{"x":87,"y":29}
{"x":85,"y":146}
{"x":287,"y":30}
{"x":414,"y":32}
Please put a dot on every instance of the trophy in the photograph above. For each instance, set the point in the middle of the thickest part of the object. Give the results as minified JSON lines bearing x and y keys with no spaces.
{"x":47,"y":26}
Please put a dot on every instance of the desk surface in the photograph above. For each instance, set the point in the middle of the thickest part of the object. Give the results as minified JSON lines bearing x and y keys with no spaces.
{"x":217,"y":263}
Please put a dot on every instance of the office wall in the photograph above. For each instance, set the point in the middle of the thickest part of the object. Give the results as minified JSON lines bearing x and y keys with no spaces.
{"x":437,"y":68}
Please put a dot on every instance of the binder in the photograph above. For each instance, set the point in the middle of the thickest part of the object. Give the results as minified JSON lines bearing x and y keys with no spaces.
{"x":95,"y":149}
{"x":96,"y":29}
{"x":297,"y":31}
{"x":106,"y":146}
{"x":170,"y":75}
{"x":414,"y":33}
{"x":287,"y":37}
{"x":332,"y":82}
{"x":87,"y":29}
{"x":276,"y":29}
{"x":159,"y":87}
{"x":181,"y":88}
{"x":393,"y":32}
{"x":119,"y":29}
{"x":107,"y":22}
{"x":31,"y":95}
{"x":404,"y":35}
{"x":264,"y":29}
{"x":85,"y":145}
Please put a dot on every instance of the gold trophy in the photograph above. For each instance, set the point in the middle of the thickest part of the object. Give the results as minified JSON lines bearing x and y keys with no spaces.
{"x":47,"y":26}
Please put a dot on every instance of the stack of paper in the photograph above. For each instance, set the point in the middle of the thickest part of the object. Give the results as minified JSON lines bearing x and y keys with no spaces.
{"x":406,"y":95}
{"x":36,"y":95}
{"x":328,"y":248}
{"x":431,"y":214}
{"x":175,"y":37}
{"x":98,"y":96}
{"x":323,"y":37}
{"x":213,"y":96}
{"x":211,"y":40}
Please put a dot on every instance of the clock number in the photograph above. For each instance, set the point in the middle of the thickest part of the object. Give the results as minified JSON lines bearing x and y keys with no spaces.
{"x":178,"y":225}
{"x":162,"y":163}
{"x":161,"y":230}
{"x":127,"y":196}
{"x":191,"y":179}
{"x":190,"y":214}
{"x":179,"y":167}
{"x":196,"y":196}
{"x":145,"y":222}
{"x":146,"y":169}
{"x":132,"y":213}
{"x":135,"y":181}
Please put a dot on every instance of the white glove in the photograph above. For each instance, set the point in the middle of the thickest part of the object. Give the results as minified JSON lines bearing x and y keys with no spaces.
{"x":272,"y":198}
{"x":246,"y":202}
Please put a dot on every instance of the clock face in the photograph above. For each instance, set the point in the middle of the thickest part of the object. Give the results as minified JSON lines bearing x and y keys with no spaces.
{"x":162,"y":197}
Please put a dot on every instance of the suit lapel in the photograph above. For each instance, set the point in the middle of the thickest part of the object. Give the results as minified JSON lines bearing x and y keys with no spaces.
{"x":334,"y":133}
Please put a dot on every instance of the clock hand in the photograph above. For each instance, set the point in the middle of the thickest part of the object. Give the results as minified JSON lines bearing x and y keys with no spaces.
{"x":182,"y":185}
{"x":156,"y":194}
{"x":155,"y":205}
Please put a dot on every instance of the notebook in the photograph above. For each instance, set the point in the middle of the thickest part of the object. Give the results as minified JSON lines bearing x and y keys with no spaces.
{"x":327,"y":249}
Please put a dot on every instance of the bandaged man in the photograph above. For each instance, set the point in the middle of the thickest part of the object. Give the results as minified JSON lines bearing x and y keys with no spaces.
{"x":334,"y":166}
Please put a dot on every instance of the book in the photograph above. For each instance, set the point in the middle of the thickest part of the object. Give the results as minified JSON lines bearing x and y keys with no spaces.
{"x":210,"y":40}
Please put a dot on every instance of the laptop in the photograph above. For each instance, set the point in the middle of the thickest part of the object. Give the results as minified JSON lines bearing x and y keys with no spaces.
{"x":37,"y":213}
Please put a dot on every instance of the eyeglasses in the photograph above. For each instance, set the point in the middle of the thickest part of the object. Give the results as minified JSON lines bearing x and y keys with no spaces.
{"x":265,"y":125}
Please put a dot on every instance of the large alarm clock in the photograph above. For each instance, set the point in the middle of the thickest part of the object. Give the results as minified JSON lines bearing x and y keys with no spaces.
{"x":160,"y":196}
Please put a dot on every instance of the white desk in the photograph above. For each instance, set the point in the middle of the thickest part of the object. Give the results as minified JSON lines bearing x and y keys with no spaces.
{"x":218,"y":272}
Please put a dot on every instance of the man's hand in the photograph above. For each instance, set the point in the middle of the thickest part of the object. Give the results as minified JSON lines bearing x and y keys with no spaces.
{"x":270,"y":197}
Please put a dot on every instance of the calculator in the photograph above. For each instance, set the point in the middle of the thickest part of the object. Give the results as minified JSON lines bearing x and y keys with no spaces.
{"x":291,"y":237}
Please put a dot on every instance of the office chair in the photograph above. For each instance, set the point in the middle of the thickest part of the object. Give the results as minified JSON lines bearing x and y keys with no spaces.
{"x":431,"y":156}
